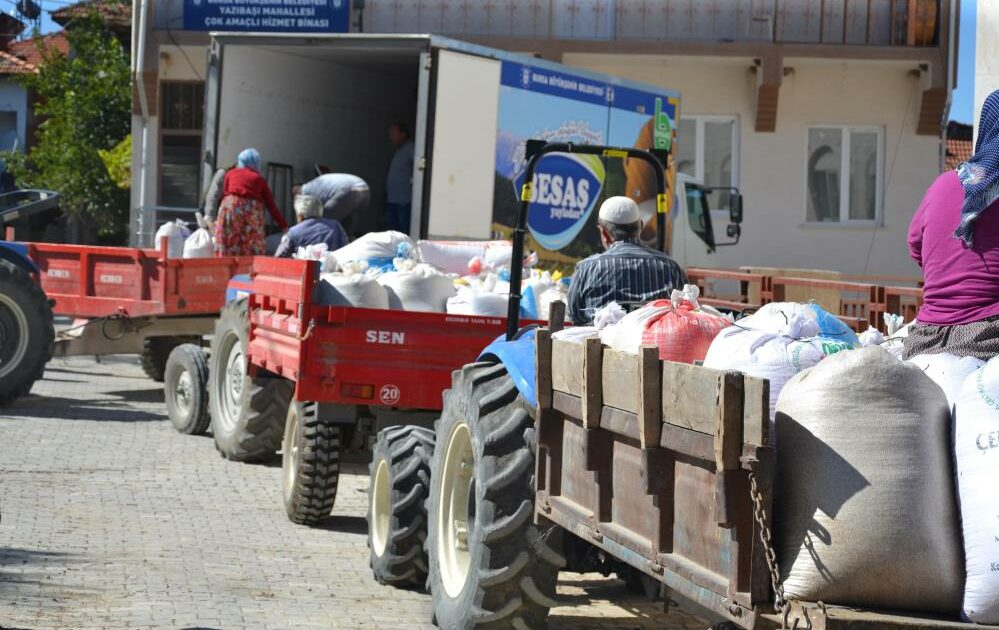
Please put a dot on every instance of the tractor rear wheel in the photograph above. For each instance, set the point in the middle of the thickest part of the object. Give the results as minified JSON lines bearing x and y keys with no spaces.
{"x":26,"y":332}
{"x":310,"y":464}
{"x":397,"y":512}
{"x":490,"y":567}
{"x":248,"y":412}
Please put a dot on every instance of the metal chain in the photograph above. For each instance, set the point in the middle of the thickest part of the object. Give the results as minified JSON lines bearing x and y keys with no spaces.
{"x":780,"y":603}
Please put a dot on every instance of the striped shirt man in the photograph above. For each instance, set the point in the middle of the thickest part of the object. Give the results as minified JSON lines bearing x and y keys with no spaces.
{"x":627,"y":273}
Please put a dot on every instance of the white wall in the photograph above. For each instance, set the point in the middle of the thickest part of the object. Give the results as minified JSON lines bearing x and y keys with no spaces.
{"x":986,"y":53}
{"x":14,"y":98}
{"x":302,"y":111}
{"x":772,"y":165}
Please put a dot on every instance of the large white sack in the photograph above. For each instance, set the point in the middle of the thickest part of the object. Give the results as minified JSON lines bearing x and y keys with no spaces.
{"x":792,"y":319}
{"x":866,"y":514}
{"x":422,"y":288}
{"x":176,"y":233}
{"x":976,"y":438}
{"x":454,"y":256}
{"x":372,"y":246}
{"x":947,"y":371}
{"x":351,"y":289}
{"x":768,"y":355}
{"x":199,"y":244}
{"x":625,"y":335}
{"x":477,"y":301}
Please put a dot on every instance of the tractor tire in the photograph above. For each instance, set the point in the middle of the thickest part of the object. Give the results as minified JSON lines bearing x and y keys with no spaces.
{"x":156,"y":351}
{"x":247,"y":413}
{"x":26,"y":332}
{"x":490,"y":565}
{"x":397,"y":511}
{"x":310,"y":464}
{"x":185,"y":389}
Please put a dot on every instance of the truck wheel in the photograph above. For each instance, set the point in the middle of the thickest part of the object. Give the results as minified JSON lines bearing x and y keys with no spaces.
{"x":397,"y":511}
{"x":490,"y":566}
{"x":156,"y":351}
{"x":247,"y":412}
{"x":26,"y":332}
{"x":310,"y":464}
{"x":185,"y":389}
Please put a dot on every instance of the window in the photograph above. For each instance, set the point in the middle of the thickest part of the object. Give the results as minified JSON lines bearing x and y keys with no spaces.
{"x":707,"y":150}
{"x":844,"y":175}
{"x":182,"y":116}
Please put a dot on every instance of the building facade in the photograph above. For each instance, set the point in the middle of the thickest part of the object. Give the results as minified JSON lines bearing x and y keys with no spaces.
{"x":826,"y":114}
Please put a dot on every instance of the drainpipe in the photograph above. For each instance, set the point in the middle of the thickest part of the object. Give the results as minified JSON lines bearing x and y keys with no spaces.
{"x":138,"y":64}
{"x":951,"y":72}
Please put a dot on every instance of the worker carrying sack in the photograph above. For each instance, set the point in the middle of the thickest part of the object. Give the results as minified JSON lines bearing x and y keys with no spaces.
{"x":976,"y":438}
{"x":866,"y":514}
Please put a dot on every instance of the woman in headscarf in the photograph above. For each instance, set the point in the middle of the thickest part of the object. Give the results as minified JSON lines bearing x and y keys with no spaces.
{"x":954,"y":237}
{"x":239,"y":228}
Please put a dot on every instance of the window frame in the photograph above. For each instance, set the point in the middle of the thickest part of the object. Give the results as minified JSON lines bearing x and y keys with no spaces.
{"x":699,"y":120}
{"x":844,"y":180}
{"x":170,"y":132}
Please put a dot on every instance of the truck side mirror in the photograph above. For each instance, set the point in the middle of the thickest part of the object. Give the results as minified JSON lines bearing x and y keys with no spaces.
{"x":735,"y":209}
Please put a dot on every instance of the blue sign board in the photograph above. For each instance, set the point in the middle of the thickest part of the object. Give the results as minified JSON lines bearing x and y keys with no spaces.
{"x":268,"y":16}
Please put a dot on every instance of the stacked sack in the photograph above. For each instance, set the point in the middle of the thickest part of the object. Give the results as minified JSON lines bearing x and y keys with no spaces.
{"x":201,"y":243}
{"x":413,"y":286}
{"x":681,"y":329}
{"x":352,"y":284}
{"x":456,"y":256}
{"x":778,"y":341}
{"x":976,"y":439}
{"x":176,"y":233}
{"x":866,"y":512}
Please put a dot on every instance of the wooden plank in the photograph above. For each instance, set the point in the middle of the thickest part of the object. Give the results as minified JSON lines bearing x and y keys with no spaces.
{"x":556,"y":315}
{"x":691,"y":395}
{"x":623,"y":423}
{"x":568,"y":405}
{"x":756,"y":411}
{"x":620,"y":380}
{"x":543,"y":367}
{"x":567,"y":367}
{"x":650,"y":388}
{"x":592,"y":381}
{"x":693,"y":444}
{"x":728,"y":426}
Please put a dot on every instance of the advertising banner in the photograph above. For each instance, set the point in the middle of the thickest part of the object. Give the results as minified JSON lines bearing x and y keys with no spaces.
{"x":538,"y":103}
{"x":268,"y":16}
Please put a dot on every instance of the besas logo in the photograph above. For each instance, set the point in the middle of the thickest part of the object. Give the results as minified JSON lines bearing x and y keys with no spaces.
{"x":566,"y":187}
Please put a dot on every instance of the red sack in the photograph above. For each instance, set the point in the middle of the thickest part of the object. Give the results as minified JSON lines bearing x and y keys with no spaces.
{"x":683,"y":333}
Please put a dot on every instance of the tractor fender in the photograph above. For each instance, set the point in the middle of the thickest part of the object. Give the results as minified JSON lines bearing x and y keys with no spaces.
{"x":517,"y":357}
{"x":17,"y":254}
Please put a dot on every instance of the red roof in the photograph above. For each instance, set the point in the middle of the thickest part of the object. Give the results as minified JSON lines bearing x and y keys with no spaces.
{"x":117,"y":13}
{"x":30,"y":50}
{"x":11,"y":64}
{"x":957,"y":151}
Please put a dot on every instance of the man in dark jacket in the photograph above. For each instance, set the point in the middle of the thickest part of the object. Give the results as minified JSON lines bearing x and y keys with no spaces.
{"x":312,"y":228}
{"x":627,"y":272}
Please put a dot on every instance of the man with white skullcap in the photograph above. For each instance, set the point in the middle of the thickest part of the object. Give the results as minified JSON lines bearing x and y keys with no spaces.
{"x":312,"y":228}
{"x":627,"y":272}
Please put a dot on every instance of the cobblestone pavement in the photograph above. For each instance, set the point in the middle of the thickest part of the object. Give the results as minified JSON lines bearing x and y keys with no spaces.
{"x":111,"y":519}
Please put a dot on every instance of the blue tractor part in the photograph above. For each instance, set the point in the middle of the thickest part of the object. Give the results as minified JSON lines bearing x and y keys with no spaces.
{"x":26,"y":331}
{"x":239,"y":288}
{"x":518,"y":358}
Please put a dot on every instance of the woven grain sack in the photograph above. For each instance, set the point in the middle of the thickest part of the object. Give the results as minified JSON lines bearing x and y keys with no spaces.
{"x":976,"y":439}
{"x":866,"y":514}
{"x":948,"y":371}
{"x":351,"y":289}
{"x":422,"y":288}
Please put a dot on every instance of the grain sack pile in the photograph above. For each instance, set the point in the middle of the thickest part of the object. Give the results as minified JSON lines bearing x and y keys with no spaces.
{"x":176,"y":233}
{"x":947,"y":371}
{"x":775,"y":343}
{"x":976,"y":439}
{"x":352,"y":285}
{"x":375,"y":248}
{"x":417,"y":287}
{"x":866,"y":513}
{"x":455,"y":256}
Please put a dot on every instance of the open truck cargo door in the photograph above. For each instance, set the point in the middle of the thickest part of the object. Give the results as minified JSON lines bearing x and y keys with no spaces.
{"x":462,"y":172}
